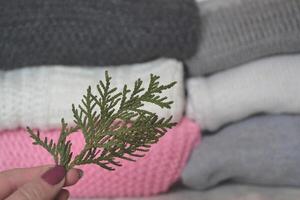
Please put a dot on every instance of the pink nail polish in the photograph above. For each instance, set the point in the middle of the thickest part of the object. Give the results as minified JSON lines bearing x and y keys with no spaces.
{"x":54,"y":175}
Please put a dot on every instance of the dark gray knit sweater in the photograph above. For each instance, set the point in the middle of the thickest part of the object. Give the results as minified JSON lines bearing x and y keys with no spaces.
{"x":95,"y":32}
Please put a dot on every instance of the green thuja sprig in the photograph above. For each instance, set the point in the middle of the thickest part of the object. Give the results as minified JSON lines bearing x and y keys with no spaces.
{"x":115,"y":125}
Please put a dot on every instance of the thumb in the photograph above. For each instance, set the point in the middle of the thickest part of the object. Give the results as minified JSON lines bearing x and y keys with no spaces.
{"x":44,"y":188}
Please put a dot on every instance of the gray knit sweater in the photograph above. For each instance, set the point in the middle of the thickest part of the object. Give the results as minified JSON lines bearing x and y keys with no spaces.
{"x":95,"y":32}
{"x":234,"y":32}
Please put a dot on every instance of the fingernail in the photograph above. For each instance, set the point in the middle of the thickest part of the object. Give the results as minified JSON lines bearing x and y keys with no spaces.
{"x":80,"y":173}
{"x":54,"y":175}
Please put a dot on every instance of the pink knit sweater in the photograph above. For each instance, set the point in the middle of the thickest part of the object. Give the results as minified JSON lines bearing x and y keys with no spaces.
{"x":153,"y":174}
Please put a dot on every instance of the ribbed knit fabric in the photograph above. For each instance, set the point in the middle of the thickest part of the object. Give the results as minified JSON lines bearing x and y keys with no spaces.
{"x":269,"y":85}
{"x":150,"y":175}
{"x":96,"y":32}
{"x":40,"y":97}
{"x":237,"y":31}
{"x":262,"y":150}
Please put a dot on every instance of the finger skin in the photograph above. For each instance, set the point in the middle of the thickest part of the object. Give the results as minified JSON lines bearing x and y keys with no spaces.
{"x":73,"y":176}
{"x":38,"y":189}
{"x":63,"y":195}
{"x":11,"y":180}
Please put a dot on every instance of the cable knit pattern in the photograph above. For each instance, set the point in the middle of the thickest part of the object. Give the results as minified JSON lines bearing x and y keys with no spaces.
{"x":96,"y":32}
{"x":40,"y":97}
{"x":234,"y":32}
{"x":155,"y":173}
{"x":269,"y":85}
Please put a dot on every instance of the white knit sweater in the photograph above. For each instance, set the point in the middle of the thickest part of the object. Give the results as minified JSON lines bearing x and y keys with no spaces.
{"x":40,"y":96}
{"x":269,"y":85}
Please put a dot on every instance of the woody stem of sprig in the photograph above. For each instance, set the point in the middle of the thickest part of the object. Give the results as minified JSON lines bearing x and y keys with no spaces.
{"x":76,"y":160}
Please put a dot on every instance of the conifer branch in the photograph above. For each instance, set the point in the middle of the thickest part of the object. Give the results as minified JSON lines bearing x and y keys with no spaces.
{"x":115,"y":125}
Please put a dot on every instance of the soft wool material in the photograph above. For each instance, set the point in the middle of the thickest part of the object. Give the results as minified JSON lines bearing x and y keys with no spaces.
{"x":270,"y":85}
{"x":237,"y":31}
{"x":225,"y":192}
{"x":260,"y":150}
{"x":96,"y":32}
{"x":152,"y":174}
{"x":40,"y":97}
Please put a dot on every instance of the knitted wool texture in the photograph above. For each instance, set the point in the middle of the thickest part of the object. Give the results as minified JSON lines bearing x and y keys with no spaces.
{"x":152,"y":174}
{"x":96,"y":32}
{"x":225,"y":192}
{"x":237,"y":31}
{"x":269,"y":85}
{"x":262,"y":150}
{"x":39,"y":97}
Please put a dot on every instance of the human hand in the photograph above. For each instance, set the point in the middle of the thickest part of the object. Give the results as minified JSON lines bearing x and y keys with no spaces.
{"x":37,"y":183}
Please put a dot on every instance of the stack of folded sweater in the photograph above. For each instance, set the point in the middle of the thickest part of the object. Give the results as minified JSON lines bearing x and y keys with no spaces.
{"x":244,"y":92}
{"x":243,"y":86}
{"x":52,"y":50}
